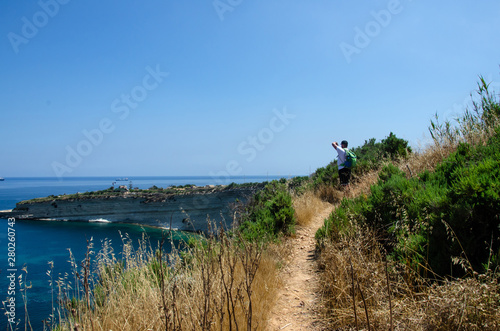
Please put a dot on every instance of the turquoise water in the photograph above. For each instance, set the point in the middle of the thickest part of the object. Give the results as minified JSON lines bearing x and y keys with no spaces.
{"x":40,"y":242}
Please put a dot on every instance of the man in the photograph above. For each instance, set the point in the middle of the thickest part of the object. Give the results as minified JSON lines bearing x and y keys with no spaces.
{"x":344,"y":172}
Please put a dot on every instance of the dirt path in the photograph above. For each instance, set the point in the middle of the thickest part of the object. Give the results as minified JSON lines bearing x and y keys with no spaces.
{"x":294,"y":309}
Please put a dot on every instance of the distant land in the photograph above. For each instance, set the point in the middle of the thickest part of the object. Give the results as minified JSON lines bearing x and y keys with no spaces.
{"x":186,"y":208}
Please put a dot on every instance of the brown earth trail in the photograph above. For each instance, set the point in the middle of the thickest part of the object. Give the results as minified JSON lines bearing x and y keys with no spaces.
{"x":295,"y":307}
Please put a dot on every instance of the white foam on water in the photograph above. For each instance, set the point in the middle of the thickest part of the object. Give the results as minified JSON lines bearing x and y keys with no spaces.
{"x":99,"y":220}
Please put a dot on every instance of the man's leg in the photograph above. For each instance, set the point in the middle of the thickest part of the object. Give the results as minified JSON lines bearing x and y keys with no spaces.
{"x":344,"y":176}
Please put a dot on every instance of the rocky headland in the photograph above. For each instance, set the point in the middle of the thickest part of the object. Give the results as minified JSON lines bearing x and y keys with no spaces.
{"x":184,"y":208}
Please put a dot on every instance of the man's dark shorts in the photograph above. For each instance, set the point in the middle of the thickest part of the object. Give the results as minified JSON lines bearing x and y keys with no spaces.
{"x":345,"y":176}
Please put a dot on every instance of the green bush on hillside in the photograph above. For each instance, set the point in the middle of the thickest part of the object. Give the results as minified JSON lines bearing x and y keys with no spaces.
{"x":326,"y":175}
{"x":269,"y":214}
{"x":473,"y":201}
{"x":448,"y":220}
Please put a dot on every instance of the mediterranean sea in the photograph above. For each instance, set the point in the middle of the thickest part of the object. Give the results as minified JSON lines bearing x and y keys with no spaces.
{"x":40,"y":244}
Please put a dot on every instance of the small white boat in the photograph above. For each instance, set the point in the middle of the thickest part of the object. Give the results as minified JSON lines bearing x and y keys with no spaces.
{"x":2,"y":179}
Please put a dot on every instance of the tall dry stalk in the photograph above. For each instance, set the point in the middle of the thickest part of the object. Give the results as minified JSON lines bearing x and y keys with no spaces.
{"x":389,"y":294}
{"x":353,"y":291}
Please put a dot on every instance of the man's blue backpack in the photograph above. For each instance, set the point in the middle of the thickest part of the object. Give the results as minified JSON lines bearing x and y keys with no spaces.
{"x":350,"y":159}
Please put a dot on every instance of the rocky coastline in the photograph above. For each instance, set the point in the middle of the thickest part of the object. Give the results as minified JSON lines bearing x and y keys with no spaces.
{"x":197,"y":209}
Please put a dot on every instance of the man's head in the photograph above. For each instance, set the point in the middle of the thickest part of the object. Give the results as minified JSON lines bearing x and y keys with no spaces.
{"x":343,"y":144}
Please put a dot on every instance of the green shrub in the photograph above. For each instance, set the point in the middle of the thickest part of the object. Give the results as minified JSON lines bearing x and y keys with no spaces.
{"x":342,"y":220}
{"x":394,"y":147}
{"x":456,"y":208}
{"x":269,"y":214}
{"x":326,"y":175}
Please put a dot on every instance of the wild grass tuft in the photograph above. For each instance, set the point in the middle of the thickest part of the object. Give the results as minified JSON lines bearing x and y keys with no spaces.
{"x":355,"y":267}
{"x":307,"y":205}
{"x":216,"y":284}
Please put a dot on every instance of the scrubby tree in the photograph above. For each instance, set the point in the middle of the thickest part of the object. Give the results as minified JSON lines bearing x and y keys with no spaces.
{"x":395,"y":147}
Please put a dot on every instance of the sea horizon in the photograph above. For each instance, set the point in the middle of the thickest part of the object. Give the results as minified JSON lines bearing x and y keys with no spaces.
{"x":155,"y":176}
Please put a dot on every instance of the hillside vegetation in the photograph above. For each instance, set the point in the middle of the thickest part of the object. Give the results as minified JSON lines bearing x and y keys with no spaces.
{"x":412,"y":244}
{"x":420,"y":248}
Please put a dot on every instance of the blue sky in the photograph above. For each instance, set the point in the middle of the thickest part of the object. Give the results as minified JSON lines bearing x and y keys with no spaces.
{"x":229,"y":87}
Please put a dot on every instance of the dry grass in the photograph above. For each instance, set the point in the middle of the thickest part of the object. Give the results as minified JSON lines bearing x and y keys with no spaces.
{"x":329,"y":193}
{"x":428,"y":159}
{"x":352,"y":263}
{"x":306,"y":206}
{"x":333,"y":194}
{"x":468,"y":304}
{"x":220,"y":285}
{"x":387,"y":297}
{"x":362,"y":184}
